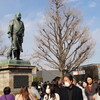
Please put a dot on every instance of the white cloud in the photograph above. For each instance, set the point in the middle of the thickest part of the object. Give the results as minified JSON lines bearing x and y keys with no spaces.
{"x":91,"y":22}
{"x":31,"y":29}
{"x":96,"y":35}
{"x":71,"y":0}
{"x":95,"y":57}
{"x":8,"y":16}
{"x":40,"y":14}
{"x":92,"y":4}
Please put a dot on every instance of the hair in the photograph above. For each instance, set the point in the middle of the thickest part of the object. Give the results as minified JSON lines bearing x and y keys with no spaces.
{"x":56,"y":79}
{"x":52,"y":91}
{"x":34,"y":84}
{"x":7,"y":90}
{"x":69,"y":76}
{"x":23,"y":90}
{"x":88,"y":77}
{"x":53,"y":81}
{"x":74,"y":81}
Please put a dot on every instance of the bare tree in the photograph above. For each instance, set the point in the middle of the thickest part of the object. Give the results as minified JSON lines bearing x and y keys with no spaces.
{"x":64,"y":41}
{"x":3,"y":48}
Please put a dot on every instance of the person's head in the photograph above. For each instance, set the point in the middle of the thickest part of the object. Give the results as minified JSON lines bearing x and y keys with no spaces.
{"x":24,"y":91}
{"x":89,"y":80}
{"x":84,"y":84}
{"x":68,"y":80}
{"x":18,"y":16}
{"x":74,"y":81}
{"x":53,"y":81}
{"x":34,"y":84}
{"x":50,"y":90}
{"x":95,"y":80}
{"x":7,"y":90}
{"x":57,"y":80}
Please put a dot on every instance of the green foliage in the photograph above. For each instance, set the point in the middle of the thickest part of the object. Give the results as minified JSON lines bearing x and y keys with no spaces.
{"x":38,"y":79}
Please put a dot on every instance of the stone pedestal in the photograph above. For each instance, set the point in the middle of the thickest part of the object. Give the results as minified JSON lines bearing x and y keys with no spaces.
{"x":15,"y":73}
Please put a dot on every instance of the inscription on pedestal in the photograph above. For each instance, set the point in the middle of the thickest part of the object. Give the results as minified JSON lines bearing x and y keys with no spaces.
{"x":20,"y":80}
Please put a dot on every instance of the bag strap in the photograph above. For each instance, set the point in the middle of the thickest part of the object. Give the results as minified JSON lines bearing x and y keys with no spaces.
{"x":33,"y":95}
{"x":5,"y":97}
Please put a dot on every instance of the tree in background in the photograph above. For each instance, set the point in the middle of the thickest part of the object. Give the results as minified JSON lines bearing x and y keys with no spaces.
{"x":38,"y":79}
{"x":3,"y":49}
{"x":64,"y":42}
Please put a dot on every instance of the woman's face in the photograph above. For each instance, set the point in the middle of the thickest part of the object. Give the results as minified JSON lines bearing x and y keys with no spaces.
{"x":84,"y":84}
{"x":59,"y":82}
{"x":89,"y":80}
{"x":48,"y":89}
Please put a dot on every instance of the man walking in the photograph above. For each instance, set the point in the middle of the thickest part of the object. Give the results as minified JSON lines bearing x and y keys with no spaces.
{"x":70,"y":91}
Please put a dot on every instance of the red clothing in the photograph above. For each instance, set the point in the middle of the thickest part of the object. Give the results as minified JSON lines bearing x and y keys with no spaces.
{"x":90,"y":87}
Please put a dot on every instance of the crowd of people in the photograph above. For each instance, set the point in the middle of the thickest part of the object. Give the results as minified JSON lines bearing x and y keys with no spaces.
{"x":58,"y":89}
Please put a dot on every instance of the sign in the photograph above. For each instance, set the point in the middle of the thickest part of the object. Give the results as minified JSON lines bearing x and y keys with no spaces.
{"x":20,"y":80}
{"x":80,"y":72}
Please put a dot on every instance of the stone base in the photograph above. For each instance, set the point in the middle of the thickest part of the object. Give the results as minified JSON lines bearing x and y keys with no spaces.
{"x":14,"y":62}
{"x":15,"y":73}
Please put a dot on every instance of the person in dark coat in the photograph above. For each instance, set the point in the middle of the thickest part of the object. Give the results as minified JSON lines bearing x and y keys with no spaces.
{"x":57,"y":84}
{"x":70,"y":91}
{"x":90,"y":89}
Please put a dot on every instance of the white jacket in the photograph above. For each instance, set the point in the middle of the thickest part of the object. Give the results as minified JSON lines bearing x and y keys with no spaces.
{"x":83,"y":92}
{"x":97,"y":97}
{"x":46,"y":97}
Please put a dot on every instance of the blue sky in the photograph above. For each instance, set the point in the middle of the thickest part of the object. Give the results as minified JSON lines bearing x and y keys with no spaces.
{"x":33,"y":12}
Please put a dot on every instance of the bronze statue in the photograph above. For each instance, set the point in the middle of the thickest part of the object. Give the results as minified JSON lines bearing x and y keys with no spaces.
{"x":16,"y":33}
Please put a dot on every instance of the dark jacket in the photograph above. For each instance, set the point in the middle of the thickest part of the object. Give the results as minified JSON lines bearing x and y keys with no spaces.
{"x":92,"y":92}
{"x":74,"y":93}
{"x":57,"y":89}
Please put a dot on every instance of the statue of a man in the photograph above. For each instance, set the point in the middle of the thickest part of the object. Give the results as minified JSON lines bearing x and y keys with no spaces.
{"x":16,"y":33}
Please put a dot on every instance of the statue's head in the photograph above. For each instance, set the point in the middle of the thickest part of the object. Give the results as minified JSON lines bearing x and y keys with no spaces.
{"x":18,"y":16}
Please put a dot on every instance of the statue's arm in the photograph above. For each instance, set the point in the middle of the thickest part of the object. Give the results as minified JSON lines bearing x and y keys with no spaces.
{"x":23,"y":29}
{"x":10,"y":29}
